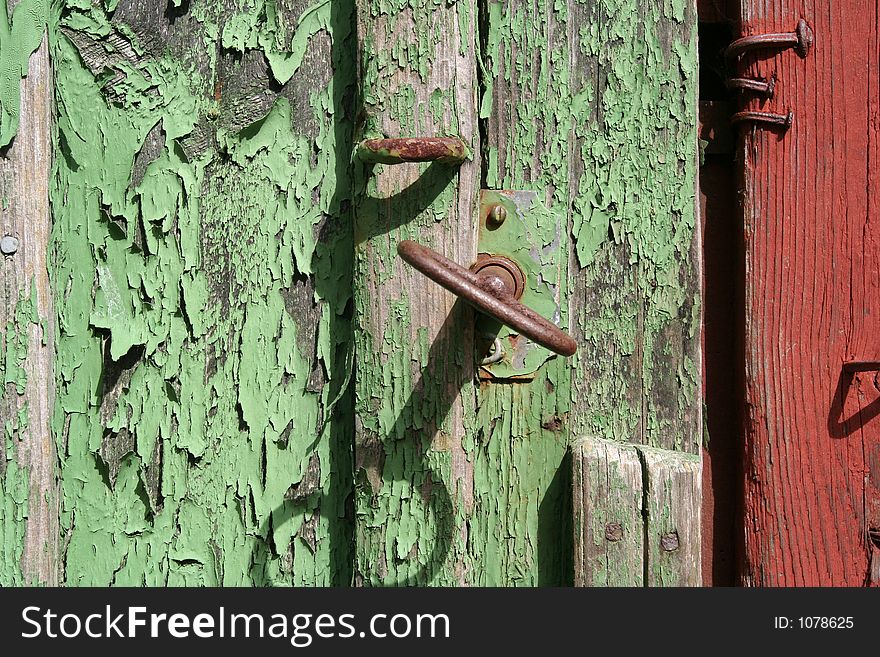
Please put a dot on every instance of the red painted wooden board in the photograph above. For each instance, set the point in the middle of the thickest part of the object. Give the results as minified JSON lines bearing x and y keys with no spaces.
{"x":812,"y":301}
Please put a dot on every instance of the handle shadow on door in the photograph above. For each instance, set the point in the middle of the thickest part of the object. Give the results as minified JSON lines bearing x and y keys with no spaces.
{"x":838,"y":427}
{"x":433,"y":396}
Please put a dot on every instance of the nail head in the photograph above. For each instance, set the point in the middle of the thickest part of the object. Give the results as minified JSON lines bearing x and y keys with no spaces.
{"x":669,"y":542}
{"x":8,"y":245}
{"x":613,"y":531}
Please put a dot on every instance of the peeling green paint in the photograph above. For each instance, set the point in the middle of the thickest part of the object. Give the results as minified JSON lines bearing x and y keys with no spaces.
{"x":15,"y":340}
{"x":634,"y":220}
{"x":604,"y":126}
{"x":504,"y":524}
{"x":14,"y":479}
{"x":14,"y":487}
{"x":201,"y":260}
{"x":18,"y":39}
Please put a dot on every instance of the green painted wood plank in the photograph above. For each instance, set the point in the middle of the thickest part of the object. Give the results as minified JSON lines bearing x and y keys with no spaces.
{"x":201,"y":258}
{"x":414,"y":406}
{"x":29,"y":498}
{"x":593,"y":104}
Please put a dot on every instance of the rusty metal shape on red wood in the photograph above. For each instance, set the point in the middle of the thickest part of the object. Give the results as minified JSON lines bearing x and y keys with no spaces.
{"x":489,"y":294}
{"x":801,"y":40}
{"x":762,"y":87}
{"x":448,"y":150}
{"x":768,"y":118}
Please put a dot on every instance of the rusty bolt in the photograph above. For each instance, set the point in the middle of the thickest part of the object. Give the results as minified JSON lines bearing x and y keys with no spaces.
{"x":497,"y":215}
{"x":669,"y":542}
{"x":8,"y":245}
{"x":613,"y":531}
{"x":504,"y":270}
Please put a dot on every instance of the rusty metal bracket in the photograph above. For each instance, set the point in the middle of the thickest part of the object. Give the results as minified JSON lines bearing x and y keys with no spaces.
{"x":801,"y":40}
{"x":447,"y":150}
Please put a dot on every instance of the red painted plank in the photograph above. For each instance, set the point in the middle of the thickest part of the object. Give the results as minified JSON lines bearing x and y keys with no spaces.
{"x":812,"y":300}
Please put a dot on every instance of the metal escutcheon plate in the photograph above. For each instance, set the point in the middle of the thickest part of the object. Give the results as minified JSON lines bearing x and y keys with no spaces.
{"x":531,"y":236}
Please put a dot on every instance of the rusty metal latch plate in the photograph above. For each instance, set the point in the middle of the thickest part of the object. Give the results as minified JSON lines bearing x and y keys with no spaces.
{"x":530,"y":235}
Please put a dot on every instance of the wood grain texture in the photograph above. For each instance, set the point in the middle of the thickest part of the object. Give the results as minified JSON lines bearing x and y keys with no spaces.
{"x":812,"y":243}
{"x":415,"y":363}
{"x":609,"y":528}
{"x":29,"y":535}
{"x":636,"y":515}
{"x":672,"y":518}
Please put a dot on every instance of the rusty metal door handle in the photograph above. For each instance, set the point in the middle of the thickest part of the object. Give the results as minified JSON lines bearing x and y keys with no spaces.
{"x":492,"y":289}
{"x":448,"y":150}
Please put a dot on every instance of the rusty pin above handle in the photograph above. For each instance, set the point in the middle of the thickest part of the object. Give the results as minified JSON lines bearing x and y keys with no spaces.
{"x":448,"y":150}
{"x":491,"y":290}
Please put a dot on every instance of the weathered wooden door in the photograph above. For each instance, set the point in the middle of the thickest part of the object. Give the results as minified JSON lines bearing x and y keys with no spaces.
{"x":812,"y":242}
{"x":250,"y":387}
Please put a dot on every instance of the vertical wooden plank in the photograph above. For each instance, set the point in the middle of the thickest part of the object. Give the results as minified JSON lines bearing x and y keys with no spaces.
{"x":609,"y":530}
{"x":414,"y":395}
{"x":636,"y":515}
{"x":29,"y":536}
{"x":202,"y":263}
{"x":810,"y":203}
{"x":672,"y":516}
{"x":533,"y":99}
{"x":593,"y":105}
{"x":869,"y":401}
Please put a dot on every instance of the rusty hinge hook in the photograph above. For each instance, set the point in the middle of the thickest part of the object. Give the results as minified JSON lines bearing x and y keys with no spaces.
{"x":801,"y":40}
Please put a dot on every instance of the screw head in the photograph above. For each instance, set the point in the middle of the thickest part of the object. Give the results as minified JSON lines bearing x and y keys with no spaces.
{"x":497,"y":215}
{"x":8,"y":245}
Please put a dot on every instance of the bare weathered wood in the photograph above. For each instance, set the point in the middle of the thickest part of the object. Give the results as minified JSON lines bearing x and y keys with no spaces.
{"x":672,"y":518}
{"x":29,"y":517}
{"x":636,"y":515}
{"x":609,"y":530}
